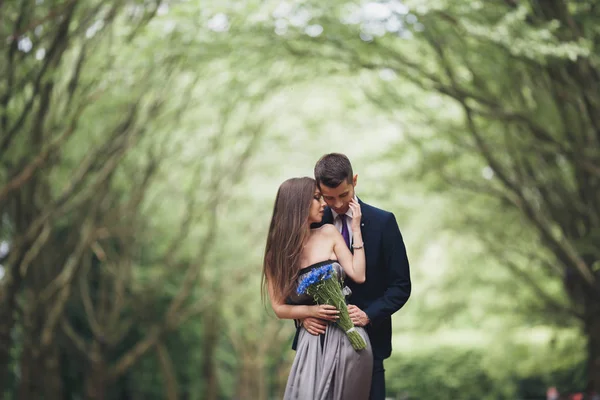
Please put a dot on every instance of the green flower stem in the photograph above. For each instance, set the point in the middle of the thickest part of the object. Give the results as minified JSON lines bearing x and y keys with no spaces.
{"x":329,"y":291}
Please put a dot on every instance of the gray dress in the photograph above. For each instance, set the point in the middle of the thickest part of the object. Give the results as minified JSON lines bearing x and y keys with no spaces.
{"x":326,"y":367}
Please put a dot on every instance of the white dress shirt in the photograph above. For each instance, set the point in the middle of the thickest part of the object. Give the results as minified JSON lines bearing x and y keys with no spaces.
{"x":337,"y":221}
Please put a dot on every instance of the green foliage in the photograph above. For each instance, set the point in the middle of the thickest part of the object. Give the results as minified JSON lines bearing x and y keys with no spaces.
{"x":223,"y":101}
{"x":445,"y":373}
{"x":498,"y":370}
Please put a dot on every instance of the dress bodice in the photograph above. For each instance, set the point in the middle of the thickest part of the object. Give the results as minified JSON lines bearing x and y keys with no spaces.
{"x":296,"y":298}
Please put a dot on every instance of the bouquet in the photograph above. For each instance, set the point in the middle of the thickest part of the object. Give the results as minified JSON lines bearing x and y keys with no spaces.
{"x":324,"y":286}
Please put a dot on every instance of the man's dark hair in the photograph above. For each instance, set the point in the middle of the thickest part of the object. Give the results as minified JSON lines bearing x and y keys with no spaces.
{"x":332,"y":169}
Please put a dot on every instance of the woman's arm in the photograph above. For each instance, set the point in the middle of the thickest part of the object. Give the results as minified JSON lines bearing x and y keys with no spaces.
{"x":287,"y":311}
{"x":354,"y":266}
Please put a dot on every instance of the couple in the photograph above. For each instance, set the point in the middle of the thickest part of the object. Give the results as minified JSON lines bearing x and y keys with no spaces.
{"x":364,"y":244}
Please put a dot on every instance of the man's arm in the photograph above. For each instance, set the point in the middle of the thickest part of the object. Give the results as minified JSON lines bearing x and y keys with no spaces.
{"x":397,"y":274}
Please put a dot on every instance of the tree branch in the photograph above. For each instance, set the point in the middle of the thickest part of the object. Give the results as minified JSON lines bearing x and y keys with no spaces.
{"x":53,"y":57}
{"x":77,"y":340}
{"x":63,"y":283}
{"x":29,"y":170}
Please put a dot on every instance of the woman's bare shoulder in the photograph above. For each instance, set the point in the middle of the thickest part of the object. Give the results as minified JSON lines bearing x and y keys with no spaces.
{"x":328,"y":229}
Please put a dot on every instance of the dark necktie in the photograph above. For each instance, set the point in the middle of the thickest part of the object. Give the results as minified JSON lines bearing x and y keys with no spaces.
{"x":345,"y":233}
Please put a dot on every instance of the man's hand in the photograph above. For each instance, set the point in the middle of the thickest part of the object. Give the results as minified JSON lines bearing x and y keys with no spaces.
{"x":314,"y":326}
{"x":358,"y":316}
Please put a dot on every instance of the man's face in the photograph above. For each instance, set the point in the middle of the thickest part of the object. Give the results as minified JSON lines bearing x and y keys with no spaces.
{"x":338,"y":198}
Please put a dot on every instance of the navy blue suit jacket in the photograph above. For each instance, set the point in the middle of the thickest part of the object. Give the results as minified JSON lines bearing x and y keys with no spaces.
{"x":387,"y":287}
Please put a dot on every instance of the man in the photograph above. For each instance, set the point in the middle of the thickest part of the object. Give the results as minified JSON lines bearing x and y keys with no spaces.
{"x":387,"y":287}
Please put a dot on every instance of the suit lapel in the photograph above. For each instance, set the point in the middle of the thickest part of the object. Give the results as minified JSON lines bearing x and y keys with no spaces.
{"x":364,"y":222}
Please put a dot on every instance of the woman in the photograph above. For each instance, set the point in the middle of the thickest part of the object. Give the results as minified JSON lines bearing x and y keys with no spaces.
{"x":324,"y":367}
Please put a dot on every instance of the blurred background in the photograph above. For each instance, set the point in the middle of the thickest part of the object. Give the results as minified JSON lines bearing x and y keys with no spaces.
{"x":142,"y":143}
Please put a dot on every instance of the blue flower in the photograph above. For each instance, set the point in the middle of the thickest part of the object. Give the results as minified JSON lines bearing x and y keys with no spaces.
{"x":315,"y":276}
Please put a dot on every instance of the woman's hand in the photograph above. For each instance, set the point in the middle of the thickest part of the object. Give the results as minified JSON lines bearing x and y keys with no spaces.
{"x":356,"y":216}
{"x":325,"y":311}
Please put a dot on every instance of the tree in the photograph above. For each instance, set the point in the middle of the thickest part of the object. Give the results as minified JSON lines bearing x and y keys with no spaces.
{"x":520,"y":84}
{"x":45,"y":94}
{"x":80,"y":118}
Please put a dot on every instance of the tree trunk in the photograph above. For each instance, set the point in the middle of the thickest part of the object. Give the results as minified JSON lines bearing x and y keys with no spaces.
{"x":23,"y":210}
{"x":168,"y":371}
{"x":244,"y":379}
{"x":52,"y":378}
{"x":8,"y":305}
{"x":592,"y":331}
{"x":251,"y":384}
{"x":30,"y":382}
{"x":40,"y":368}
{"x":96,"y":378}
{"x":31,"y":371}
{"x":211,"y":336}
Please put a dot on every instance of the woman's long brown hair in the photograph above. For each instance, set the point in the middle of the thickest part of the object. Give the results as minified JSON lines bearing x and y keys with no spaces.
{"x":287,"y":234}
